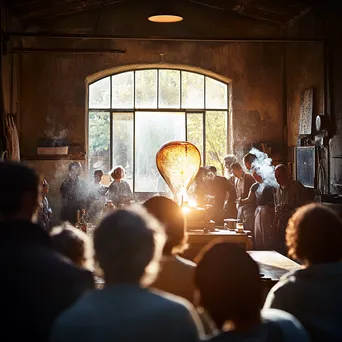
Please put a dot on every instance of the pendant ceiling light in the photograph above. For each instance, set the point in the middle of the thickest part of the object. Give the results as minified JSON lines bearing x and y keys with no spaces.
{"x":165,"y":18}
{"x":164,"y":13}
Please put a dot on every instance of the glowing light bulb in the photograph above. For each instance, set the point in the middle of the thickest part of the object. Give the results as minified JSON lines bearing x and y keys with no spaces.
{"x":178,"y":163}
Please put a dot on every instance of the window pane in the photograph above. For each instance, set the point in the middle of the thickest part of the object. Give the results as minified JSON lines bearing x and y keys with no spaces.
{"x":123,"y":90}
{"x":169,"y":89}
{"x":152,"y":131}
{"x":195,"y":130}
{"x":146,"y":89}
{"x":123,"y":143}
{"x":216,"y":94}
{"x":99,"y":94}
{"x":99,"y":141}
{"x":192,"y":90}
{"x":216,"y":139}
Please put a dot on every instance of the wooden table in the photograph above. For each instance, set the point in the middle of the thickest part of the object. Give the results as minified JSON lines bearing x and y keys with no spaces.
{"x":273,"y":265}
{"x":197,"y":239}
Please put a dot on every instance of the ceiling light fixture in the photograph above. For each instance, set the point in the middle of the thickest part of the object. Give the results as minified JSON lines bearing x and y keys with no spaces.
{"x":165,"y":18}
{"x":164,"y":12}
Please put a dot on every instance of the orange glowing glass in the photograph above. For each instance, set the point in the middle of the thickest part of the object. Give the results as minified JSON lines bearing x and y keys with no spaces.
{"x":178,"y":162}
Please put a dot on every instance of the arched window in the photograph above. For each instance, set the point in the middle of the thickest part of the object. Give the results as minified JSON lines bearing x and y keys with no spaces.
{"x":132,"y":114}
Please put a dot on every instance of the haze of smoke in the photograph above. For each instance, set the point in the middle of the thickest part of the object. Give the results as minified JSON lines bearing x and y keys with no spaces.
{"x":265,"y":169}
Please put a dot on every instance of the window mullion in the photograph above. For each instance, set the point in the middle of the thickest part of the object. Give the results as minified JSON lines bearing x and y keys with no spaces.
{"x":180,"y":89}
{"x":204,"y":140}
{"x":134,"y":88}
{"x":157,"y":88}
{"x":186,"y":125}
{"x":111,"y":147}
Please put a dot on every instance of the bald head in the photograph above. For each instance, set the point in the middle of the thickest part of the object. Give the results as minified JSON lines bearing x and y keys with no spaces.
{"x":281,"y":174}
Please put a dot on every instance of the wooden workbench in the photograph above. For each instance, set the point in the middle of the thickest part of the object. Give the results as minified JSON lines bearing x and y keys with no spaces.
{"x":273,"y":265}
{"x":197,"y":239}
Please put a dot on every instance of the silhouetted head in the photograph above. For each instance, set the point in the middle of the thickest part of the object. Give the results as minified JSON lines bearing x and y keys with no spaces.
{"x":128,"y":246}
{"x":314,"y":235}
{"x":20,"y":189}
{"x":98,"y":174}
{"x":117,"y":173}
{"x":229,"y":284}
{"x":281,"y":175}
{"x":236,"y":169}
{"x":170,"y":215}
{"x":248,"y":160}
{"x":75,"y":169}
{"x":201,"y":174}
{"x":229,"y":159}
{"x":73,"y":244}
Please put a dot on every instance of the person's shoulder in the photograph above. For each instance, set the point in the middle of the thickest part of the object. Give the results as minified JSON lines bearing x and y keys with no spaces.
{"x":224,"y":181}
{"x":249,"y":177}
{"x":79,"y":315}
{"x":60,"y":267}
{"x":187,"y":263}
{"x":66,"y":180}
{"x":287,"y":284}
{"x":255,"y":186}
{"x":290,"y":327}
{"x":297,"y":184}
{"x":169,"y":301}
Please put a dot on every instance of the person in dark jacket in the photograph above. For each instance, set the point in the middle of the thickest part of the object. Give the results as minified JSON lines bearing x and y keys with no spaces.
{"x":230,"y":292}
{"x":36,"y":283}
{"x":73,"y":193}
{"x":221,"y":188}
{"x":313,"y":293}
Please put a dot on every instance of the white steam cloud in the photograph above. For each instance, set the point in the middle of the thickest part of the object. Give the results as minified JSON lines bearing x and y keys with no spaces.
{"x":264,"y":167}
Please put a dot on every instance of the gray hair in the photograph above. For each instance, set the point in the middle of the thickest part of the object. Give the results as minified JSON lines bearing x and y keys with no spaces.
{"x":128,"y":246}
{"x":231,"y":157}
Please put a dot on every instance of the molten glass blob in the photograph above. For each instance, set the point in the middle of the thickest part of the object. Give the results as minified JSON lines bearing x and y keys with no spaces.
{"x":178,"y":162}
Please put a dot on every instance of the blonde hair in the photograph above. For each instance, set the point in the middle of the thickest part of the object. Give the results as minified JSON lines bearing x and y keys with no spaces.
{"x":73,"y":244}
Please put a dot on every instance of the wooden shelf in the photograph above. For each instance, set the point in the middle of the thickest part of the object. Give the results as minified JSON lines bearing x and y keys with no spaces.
{"x":55,"y":157}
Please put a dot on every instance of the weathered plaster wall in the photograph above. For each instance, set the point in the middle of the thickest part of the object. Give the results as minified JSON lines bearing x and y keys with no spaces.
{"x":54,"y":88}
{"x":305,"y":68}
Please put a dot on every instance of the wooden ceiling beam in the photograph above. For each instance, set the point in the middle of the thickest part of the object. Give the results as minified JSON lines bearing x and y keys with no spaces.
{"x":47,"y":12}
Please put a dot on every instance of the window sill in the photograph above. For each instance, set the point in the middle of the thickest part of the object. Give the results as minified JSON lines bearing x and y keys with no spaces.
{"x":80,"y":156}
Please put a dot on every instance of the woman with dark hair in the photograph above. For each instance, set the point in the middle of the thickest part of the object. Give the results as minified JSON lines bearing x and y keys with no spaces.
{"x":230,"y":289}
{"x":313,"y":294}
{"x":199,"y":187}
{"x":176,"y":275}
